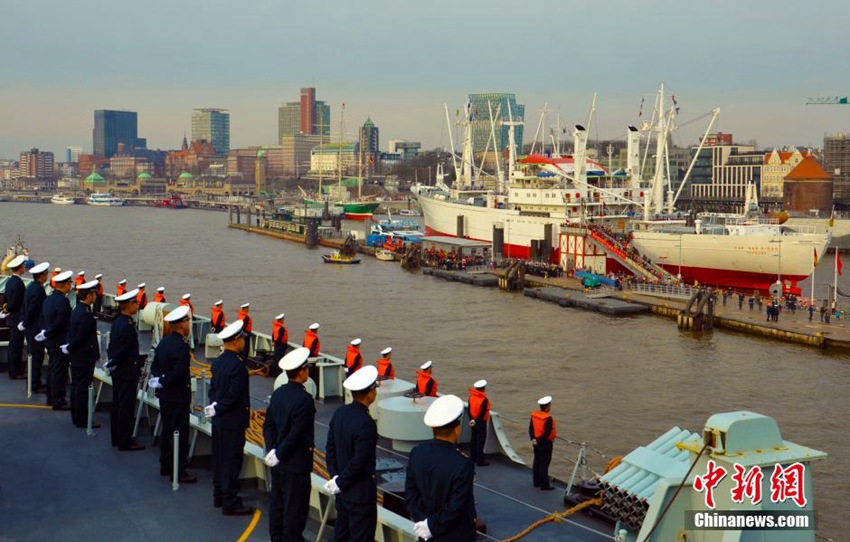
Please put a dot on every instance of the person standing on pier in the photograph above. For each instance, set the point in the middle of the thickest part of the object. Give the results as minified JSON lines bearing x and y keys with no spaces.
{"x":479,"y":415}
{"x":542,"y":432}
{"x":351,"y":451}
{"x":311,"y":340}
{"x":289,"y":435}
{"x":122,"y":364}
{"x":280,"y":339}
{"x":438,"y":490}
{"x":159,"y":296}
{"x":230,"y":410}
{"x":217,"y":317}
{"x":121,"y":289}
{"x":247,"y":327}
{"x":98,"y":294}
{"x":171,"y":380}
{"x":13,"y":307}
{"x":34,"y":297}
{"x":353,"y":357}
{"x":425,"y":383}
{"x":141,"y":297}
{"x":55,"y":319}
{"x":386,"y":371}
{"x":83,"y":350}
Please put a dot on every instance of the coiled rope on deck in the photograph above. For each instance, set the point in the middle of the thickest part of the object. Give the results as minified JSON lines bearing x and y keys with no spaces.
{"x":557,"y":516}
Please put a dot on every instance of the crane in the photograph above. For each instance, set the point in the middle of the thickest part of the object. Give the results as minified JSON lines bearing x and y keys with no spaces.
{"x":828,"y":100}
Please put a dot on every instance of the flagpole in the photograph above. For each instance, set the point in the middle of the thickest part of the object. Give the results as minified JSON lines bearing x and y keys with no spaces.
{"x":835,"y":286}
{"x":814,"y":264}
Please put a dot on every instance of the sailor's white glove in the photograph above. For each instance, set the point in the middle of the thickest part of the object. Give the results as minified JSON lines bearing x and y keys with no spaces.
{"x":41,"y":337}
{"x":64,"y":349}
{"x":107,"y":367}
{"x":3,"y":314}
{"x":471,"y":423}
{"x":21,"y":327}
{"x":422,"y":531}
{"x":209,"y":411}
{"x":271,"y":459}
{"x":331,"y":487}
{"x":154,"y":383}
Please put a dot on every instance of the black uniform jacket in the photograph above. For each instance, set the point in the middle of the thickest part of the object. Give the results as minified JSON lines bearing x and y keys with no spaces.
{"x":55,"y":319}
{"x":83,"y":346}
{"x":352,"y":441}
{"x":171,"y":365}
{"x":33,"y":301}
{"x":229,"y":388}
{"x":14,"y":294}
{"x":123,"y":349}
{"x":439,"y":488}
{"x":289,"y":430}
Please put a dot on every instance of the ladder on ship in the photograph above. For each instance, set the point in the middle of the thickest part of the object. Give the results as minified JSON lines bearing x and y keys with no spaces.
{"x":619,"y":252}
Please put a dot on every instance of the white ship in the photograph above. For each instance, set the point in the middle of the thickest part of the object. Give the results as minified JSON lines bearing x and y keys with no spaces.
{"x":548,"y":207}
{"x":104,"y":200}
{"x":62,"y":199}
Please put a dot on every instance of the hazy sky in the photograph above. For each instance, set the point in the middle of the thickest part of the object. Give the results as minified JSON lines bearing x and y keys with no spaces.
{"x":398,"y":62}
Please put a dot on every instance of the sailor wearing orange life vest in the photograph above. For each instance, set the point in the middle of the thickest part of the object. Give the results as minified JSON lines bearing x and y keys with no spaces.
{"x":142,"y":297}
{"x":247,"y":326}
{"x":121,"y":289}
{"x":542,"y":432}
{"x":479,"y":415}
{"x":98,"y":296}
{"x":311,"y":340}
{"x":81,"y":279}
{"x":425,"y":383}
{"x":386,"y":371}
{"x":353,"y":358}
{"x":159,"y":296}
{"x":186,"y":301}
{"x":217,"y":317}
{"x":56,"y":271}
{"x":280,"y":340}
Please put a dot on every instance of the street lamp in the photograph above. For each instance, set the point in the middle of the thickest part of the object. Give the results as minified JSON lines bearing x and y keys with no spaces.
{"x":779,"y":264}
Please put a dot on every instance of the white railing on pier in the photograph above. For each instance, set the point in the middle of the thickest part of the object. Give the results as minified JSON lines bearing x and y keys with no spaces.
{"x":663,"y":290}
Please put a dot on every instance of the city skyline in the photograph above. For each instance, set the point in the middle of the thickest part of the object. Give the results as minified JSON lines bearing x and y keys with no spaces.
{"x":757,"y":63}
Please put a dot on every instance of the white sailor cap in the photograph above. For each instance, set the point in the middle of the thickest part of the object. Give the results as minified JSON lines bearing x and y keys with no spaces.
{"x":17,"y":261}
{"x":543,"y":401}
{"x":362,"y":379}
{"x":141,"y":285}
{"x":219,"y":302}
{"x":62,"y":277}
{"x":98,"y":276}
{"x":161,"y":289}
{"x":40,"y":268}
{"x":386,"y":351}
{"x":244,"y":305}
{"x":444,"y":411}
{"x":180,"y":313}
{"x":122,"y":281}
{"x":81,"y":274}
{"x":480,"y":384}
{"x":187,"y":296}
{"x":232,"y":331}
{"x":90,"y":285}
{"x":280,"y":316}
{"x":314,"y":326}
{"x":57,"y":269}
{"x":356,"y":342}
{"x":129,"y":296}
{"x":426,"y":365}
{"x":293,"y":360}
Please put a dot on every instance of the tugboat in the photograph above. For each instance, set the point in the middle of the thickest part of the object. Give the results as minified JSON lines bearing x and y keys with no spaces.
{"x":337,"y":257}
{"x":173,"y":202}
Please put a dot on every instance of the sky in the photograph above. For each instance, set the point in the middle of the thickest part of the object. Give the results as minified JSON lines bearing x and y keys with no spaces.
{"x":399,"y":62}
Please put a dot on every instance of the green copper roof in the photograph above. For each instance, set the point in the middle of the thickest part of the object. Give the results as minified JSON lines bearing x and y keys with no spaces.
{"x":94,"y":178}
{"x":368,"y":122}
{"x":185,"y":175}
{"x":261,"y":153}
{"x":144,"y":176}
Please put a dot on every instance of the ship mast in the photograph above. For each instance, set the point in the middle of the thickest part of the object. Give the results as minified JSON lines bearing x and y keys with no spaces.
{"x":466,"y":158}
{"x":500,"y":175}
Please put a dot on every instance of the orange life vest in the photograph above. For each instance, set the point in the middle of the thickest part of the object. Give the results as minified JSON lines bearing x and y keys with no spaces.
{"x":120,"y":290}
{"x":142,"y":299}
{"x":280,"y":335}
{"x":311,"y":341}
{"x":479,"y":405}
{"x":386,"y":369}
{"x":353,"y":359}
{"x":538,"y":421}
{"x":53,"y":284}
{"x":422,"y":381}
{"x":80,"y":280}
{"x":159,"y":297}
{"x":217,"y":319}
{"x":246,"y":320}
{"x":187,"y":303}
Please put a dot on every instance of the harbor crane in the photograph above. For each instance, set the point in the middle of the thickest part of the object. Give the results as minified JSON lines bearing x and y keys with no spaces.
{"x":828,"y":100}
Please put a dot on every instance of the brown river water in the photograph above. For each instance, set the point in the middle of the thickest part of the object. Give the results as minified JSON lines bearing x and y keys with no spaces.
{"x":617,"y":383}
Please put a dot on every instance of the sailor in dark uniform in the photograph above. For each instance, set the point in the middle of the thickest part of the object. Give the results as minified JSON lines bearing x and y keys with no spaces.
{"x":230,"y":413}
{"x":123,"y":354}
{"x":352,"y":443}
{"x":33,"y":301}
{"x":171,"y":380}
{"x":542,"y":432}
{"x":55,"y":319}
{"x":83,"y":350}
{"x":13,"y":308}
{"x":438,"y":490}
{"x":289,"y":436}
{"x":280,"y":339}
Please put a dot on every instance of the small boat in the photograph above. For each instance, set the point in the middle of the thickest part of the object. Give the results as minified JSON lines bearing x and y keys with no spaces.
{"x":385,"y":255}
{"x":62,"y":199}
{"x":173,"y":202}
{"x":336,"y":257}
{"x":409,"y":212}
{"x":104,"y":200}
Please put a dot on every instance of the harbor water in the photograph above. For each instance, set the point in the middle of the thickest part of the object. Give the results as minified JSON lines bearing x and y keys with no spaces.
{"x":617,"y":383}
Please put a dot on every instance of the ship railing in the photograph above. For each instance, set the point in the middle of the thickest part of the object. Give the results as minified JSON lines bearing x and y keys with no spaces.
{"x":663,"y":290}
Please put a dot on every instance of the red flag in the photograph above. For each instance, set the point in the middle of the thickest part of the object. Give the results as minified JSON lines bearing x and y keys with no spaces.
{"x":816,"y":257}
{"x":838,"y":263}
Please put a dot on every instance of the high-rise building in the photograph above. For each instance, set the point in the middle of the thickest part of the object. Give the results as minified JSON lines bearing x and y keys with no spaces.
{"x":114,"y":127}
{"x":212,"y":125}
{"x":307,"y":116}
{"x":836,"y":161}
{"x":506,"y":107}
{"x":405,"y":149}
{"x":308,"y":110}
{"x":35,"y":168}
{"x":288,"y":120}
{"x":369,"y":142}
{"x":724,"y":169}
{"x":72,"y":154}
